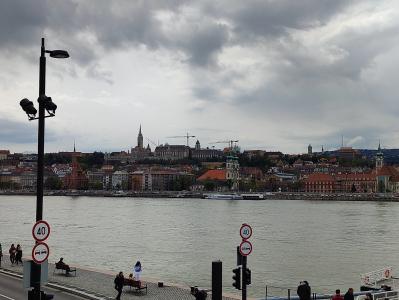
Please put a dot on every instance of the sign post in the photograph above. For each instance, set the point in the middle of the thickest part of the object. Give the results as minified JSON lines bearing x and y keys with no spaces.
{"x":243,"y":251}
{"x":40,"y":252}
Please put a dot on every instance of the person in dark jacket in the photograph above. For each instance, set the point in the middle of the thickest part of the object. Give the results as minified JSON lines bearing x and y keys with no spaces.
{"x":119,"y":280}
{"x":303,"y":291}
{"x":18,"y":254}
{"x":12,"y":252}
{"x":349,"y":295}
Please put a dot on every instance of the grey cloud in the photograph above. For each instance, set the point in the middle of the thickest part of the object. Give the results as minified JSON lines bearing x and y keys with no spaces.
{"x":120,"y":24}
{"x":204,"y":43}
{"x":17,"y":132}
{"x":258,"y":18}
{"x":95,"y":71}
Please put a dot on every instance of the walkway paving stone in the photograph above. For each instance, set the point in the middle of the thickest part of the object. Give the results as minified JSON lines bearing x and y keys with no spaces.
{"x":101,"y":283}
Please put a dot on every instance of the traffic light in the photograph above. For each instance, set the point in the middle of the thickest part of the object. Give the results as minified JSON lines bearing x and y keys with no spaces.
{"x":44,"y":296}
{"x":247,"y":276}
{"x":237,"y":278}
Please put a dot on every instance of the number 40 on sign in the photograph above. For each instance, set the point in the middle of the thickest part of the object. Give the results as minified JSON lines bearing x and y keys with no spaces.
{"x":41,"y":231}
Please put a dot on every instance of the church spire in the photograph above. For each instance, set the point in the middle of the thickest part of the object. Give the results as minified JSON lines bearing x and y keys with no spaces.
{"x":140,"y":139}
{"x":379,"y":158}
{"x":74,"y":148}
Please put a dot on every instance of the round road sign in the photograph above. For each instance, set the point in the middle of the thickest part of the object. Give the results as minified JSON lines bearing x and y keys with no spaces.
{"x":245,"y":248}
{"x":41,"y":231}
{"x":245,"y":231}
{"x":40,"y":253}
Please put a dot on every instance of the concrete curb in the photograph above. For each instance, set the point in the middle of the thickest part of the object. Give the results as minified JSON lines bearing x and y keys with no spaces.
{"x":69,"y":290}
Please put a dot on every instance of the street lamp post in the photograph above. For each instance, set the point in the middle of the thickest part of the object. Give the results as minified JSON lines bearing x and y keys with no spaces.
{"x":45,"y":104}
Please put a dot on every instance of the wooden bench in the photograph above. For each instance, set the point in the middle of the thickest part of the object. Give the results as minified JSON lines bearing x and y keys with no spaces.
{"x":137,"y":285}
{"x":64,"y":268}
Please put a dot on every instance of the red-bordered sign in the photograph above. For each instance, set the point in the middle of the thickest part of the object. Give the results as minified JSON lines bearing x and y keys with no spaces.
{"x":245,"y":248}
{"x":40,"y":253}
{"x":245,"y":231}
{"x":41,"y":231}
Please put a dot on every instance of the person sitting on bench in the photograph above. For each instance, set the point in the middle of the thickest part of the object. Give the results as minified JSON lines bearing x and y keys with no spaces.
{"x":63,"y":266}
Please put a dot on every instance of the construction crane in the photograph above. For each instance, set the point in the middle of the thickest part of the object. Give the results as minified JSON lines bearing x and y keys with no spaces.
{"x":187,"y":136}
{"x":151,"y":142}
{"x":230,"y":143}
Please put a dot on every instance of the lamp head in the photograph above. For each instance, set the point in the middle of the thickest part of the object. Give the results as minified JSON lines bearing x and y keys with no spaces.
{"x":58,"y":53}
{"x":48,"y":104}
{"x":28,"y":107}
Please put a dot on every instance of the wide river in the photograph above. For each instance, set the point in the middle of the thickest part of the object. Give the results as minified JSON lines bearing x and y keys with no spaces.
{"x":326,"y":243}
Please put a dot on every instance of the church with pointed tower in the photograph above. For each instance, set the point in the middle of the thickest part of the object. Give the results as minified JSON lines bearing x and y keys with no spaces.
{"x":77,"y":179}
{"x":139,"y":152}
{"x":387,"y":177}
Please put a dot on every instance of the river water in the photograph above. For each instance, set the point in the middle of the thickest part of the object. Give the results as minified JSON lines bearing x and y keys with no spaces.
{"x":326,"y":243}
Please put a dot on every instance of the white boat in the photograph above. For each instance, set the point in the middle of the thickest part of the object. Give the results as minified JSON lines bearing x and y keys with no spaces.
{"x":223,"y":196}
{"x":253,"y":196}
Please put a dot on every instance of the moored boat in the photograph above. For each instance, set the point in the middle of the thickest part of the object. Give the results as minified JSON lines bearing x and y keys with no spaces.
{"x":223,"y":196}
{"x":257,"y":196}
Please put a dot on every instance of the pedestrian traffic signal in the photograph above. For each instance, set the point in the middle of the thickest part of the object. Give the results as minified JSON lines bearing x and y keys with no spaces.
{"x":44,"y":296}
{"x":247,"y":276}
{"x":237,"y":278}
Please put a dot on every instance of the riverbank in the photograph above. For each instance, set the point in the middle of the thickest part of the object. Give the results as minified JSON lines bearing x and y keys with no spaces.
{"x":386,"y":197}
{"x":99,"y":283}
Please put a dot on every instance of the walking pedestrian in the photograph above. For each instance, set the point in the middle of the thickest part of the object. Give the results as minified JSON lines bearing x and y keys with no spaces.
{"x":118,"y":281}
{"x":349,"y":295}
{"x":18,"y":255}
{"x":337,"y":295}
{"x":303,"y":290}
{"x":12,"y":251}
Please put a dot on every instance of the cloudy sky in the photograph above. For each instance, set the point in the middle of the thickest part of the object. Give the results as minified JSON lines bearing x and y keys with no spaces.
{"x":273,"y":74}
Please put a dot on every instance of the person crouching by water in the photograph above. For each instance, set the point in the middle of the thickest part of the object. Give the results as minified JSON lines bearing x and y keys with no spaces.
{"x":303,"y":291}
{"x":119,"y":280}
{"x":137,"y":270}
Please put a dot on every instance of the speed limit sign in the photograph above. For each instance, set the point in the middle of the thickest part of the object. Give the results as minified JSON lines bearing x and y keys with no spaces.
{"x":41,"y":231}
{"x":245,"y":231}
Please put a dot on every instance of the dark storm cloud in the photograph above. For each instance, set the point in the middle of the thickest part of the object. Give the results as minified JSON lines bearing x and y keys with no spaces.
{"x":260,"y":18}
{"x":85,"y":27}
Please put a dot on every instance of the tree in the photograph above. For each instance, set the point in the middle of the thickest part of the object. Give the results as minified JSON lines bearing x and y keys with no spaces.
{"x":53,"y":183}
{"x":209,"y":185}
{"x":96,"y":185}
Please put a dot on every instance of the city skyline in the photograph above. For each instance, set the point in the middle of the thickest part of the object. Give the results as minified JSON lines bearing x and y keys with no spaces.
{"x":274,"y":75}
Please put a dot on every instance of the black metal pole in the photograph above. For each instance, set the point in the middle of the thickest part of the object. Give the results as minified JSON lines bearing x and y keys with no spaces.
{"x":217,"y":280}
{"x":40,"y":158}
{"x":244,"y":278}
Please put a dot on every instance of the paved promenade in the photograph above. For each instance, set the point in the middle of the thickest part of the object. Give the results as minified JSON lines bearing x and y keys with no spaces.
{"x":101,"y":283}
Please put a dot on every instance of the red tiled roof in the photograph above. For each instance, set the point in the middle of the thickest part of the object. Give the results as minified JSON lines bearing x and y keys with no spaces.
{"x":356,"y":176}
{"x":319,"y":177}
{"x":213,"y":175}
{"x":389,"y":171}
